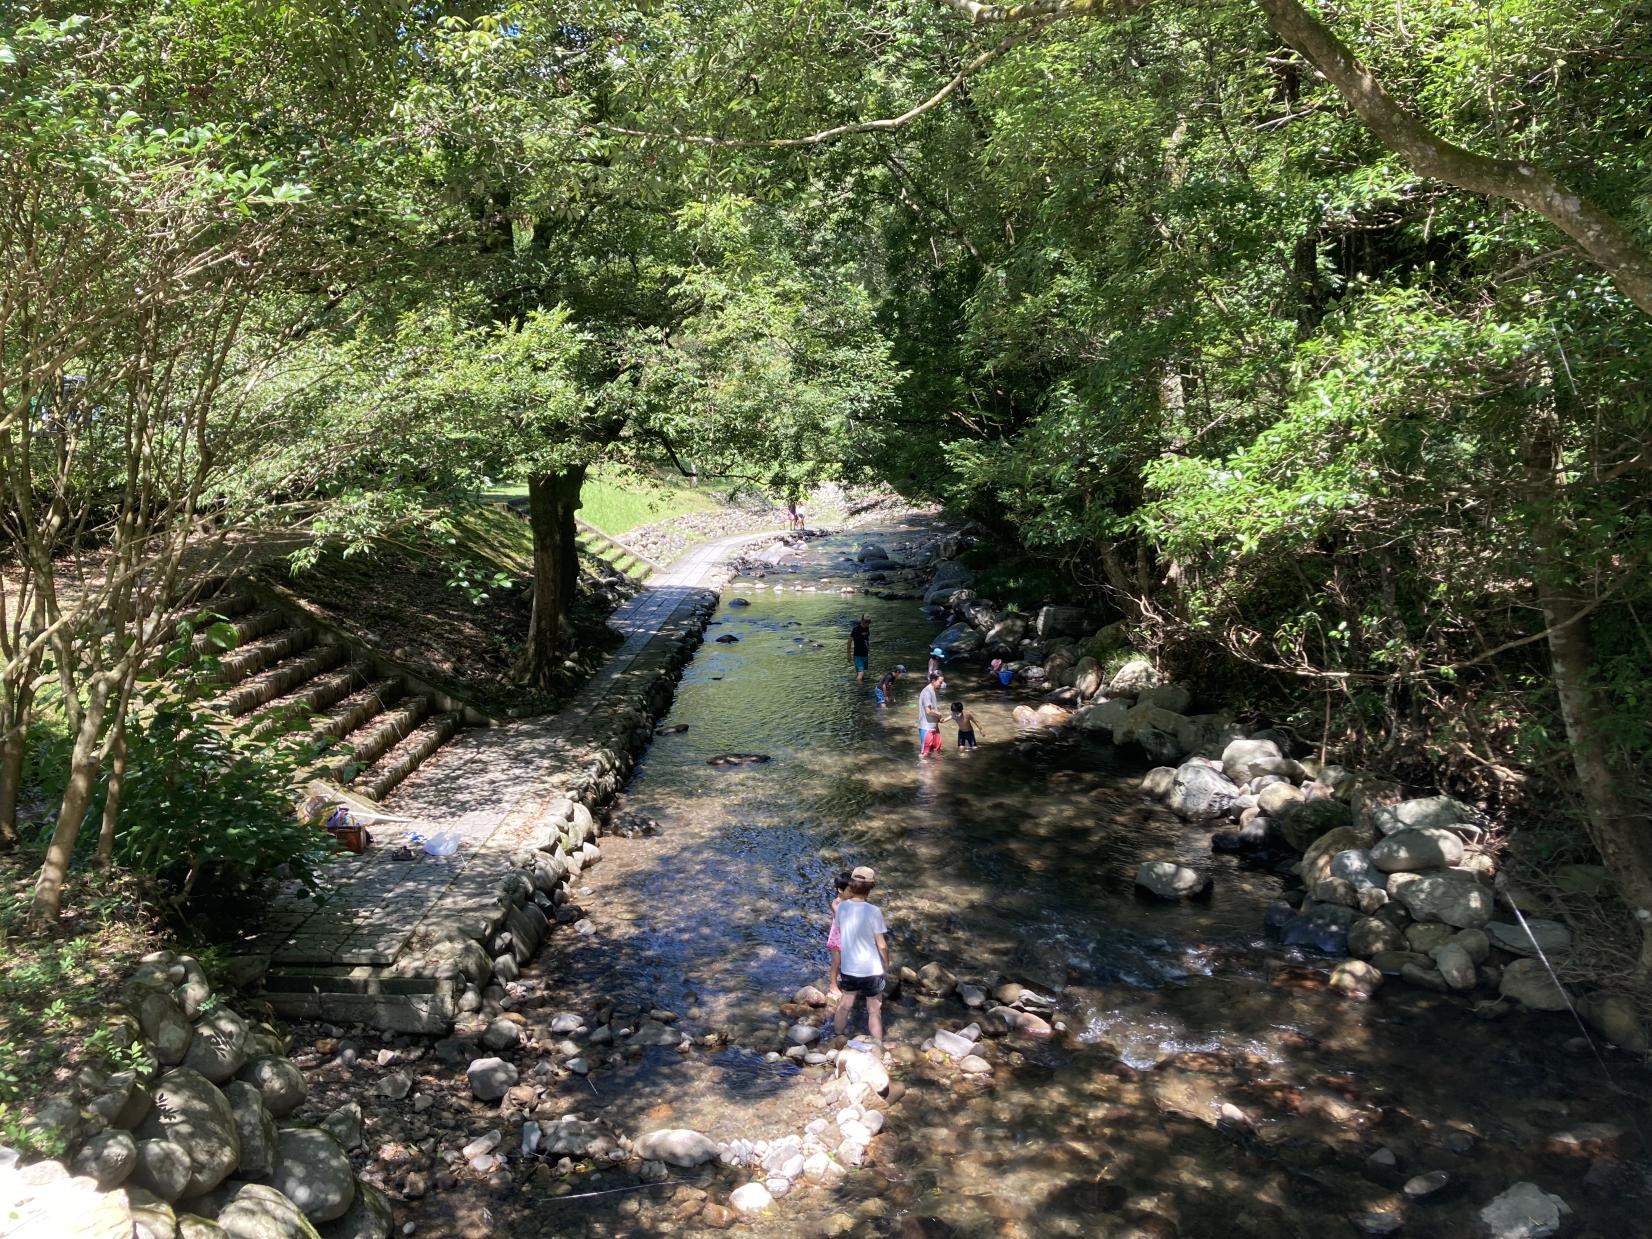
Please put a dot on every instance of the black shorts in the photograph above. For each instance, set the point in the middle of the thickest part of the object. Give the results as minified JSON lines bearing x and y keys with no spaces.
{"x":966,"y":739}
{"x":867,"y":987}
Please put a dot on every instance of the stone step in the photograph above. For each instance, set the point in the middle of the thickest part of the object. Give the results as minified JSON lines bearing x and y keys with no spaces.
{"x":280,"y":679}
{"x":314,"y":695}
{"x":367,"y":744}
{"x":351,"y":711}
{"x":264,"y":651}
{"x":408,"y":755}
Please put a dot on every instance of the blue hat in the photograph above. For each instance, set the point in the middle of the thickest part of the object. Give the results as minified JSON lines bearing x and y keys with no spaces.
{"x":937,"y":652}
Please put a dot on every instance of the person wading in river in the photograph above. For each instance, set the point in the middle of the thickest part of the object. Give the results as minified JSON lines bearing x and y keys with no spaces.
{"x":929,"y":716}
{"x":860,"y":647}
{"x":861,"y":958}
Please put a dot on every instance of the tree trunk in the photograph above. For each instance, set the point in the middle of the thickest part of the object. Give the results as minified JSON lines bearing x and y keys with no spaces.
{"x":11,"y":778}
{"x":1616,"y":824}
{"x":553,"y":498}
{"x":111,"y":798}
{"x":77,"y":797}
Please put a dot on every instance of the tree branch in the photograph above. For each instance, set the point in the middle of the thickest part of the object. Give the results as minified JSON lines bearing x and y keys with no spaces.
{"x":882,"y":125}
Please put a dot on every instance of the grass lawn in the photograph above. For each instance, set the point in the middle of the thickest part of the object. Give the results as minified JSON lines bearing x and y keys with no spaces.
{"x":618,"y":501}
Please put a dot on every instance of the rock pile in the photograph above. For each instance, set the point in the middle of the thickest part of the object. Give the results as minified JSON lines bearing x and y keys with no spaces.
{"x":193,"y":1138}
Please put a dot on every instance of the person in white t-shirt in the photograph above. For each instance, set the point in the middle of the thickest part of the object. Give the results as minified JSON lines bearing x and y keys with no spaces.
{"x":860,"y":961}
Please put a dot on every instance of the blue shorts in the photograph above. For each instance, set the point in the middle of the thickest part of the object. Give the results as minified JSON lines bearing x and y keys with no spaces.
{"x":883,"y":698}
{"x":860,"y":662}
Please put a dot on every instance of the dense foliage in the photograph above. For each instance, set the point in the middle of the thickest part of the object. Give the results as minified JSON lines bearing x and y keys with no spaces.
{"x":1338,"y":406}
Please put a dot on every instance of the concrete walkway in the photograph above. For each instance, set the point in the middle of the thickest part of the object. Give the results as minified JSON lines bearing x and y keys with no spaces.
{"x":486,"y":789}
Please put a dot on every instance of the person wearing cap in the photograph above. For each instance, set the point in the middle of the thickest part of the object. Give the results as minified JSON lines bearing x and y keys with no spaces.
{"x":886,"y":685}
{"x":1001,"y":673}
{"x":860,"y":961}
{"x":937,"y":656}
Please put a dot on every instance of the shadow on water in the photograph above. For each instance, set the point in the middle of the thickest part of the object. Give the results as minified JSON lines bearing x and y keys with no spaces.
{"x":1017,"y":861}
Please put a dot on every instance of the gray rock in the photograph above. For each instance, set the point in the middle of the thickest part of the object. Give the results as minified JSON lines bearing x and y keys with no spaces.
{"x":396,"y":1085}
{"x":1455,"y":966}
{"x":345,"y":1124}
{"x":191,"y":1113}
{"x":368,"y":1218}
{"x":194,"y":991}
{"x":501,"y":1034}
{"x":1087,"y":677}
{"x":1158,"y":781}
{"x":1059,"y":622}
{"x":193,"y":1226}
{"x":1528,"y":982}
{"x":1174,"y":698}
{"x":282,"y":1084}
{"x":1311,"y":820}
{"x":1354,"y":865}
{"x":1278,"y":799}
{"x":1369,"y":936}
{"x":1356,"y":977}
{"x":218,"y":1049}
{"x":124,"y":1100}
{"x":953,"y":1044}
{"x":1199,"y":793}
{"x":314,"y":1174}
{"x":959,"y":641}
{"x":571,"y":1137}
{"x":1322,"y":928}
{"x":1007,"y":631}
{"x":1525,"y":1211}
{"x":1238,"y":756}
{"x":1456,"y":898}
{"x":950,"y":575}
{"x":1551,"y":936}
{"x":490,"y":1078}
{"x":1168,"y":880}
{"x":1428,"y":847}
{"x":1423,"y":812}
{"x":258,"y":1211}
{"x":1135,"y":677}
{"x":1103,"y":715}
{"x":162,"y":1167}
{"x":256,"y":1127}
{"x":163,"y":1023}
{"x":676,"y":1146}
{"x":1421,"y":1186}
{"x":108,"y":1158}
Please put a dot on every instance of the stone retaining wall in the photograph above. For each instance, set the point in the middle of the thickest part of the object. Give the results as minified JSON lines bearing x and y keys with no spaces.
{"x":192,"y":1138}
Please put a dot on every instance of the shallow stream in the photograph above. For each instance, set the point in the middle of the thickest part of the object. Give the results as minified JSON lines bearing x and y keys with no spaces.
{"x":1202,"y":1082}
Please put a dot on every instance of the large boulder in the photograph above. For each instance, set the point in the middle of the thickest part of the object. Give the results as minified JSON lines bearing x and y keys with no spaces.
{"x":676,"y":1146}
{"x":218,"y":1049}
{"x":1087,"y":677}
{"x":1158,"y":781}
{"x":950,"y":575}
{"x":1239,"y":754}
{"x":257,"y":1129}
{"x":1323,"y":928}
{"x":979,"y":614}
{"x":1206,"y":734}
{"x":258,"y":1211}
{"x":1530,"y":983}
{"x":1007,"y":632}
{"x":368,"y":1218}
{"x":1059,"y":622}
{"x":1453,"y":897}
{"x":1309,"y":820}
{"x":1406,"y":851}
{"x":1318,"y":856}
{"x":1133,"y":678}
{"x":1143,"y":717}
{"x":1424,"y":812}
{"x":1354,"y":866}
{"x":108,"y":1158}
{"x":1173,"y":698}
{"x":1104,"y":715}
{"x":314,"y":1173}
{"x":958,"y":641}
{"x":490,"y":1078}
{"x":1370,"y":936}
{"x":1199,"y":793}
{"x":191,"y":1113}
{"x":163,"y":1023}
{"x":1168,"y":880}
{"x":1530,"y":936}
{"x":281,"y":1083}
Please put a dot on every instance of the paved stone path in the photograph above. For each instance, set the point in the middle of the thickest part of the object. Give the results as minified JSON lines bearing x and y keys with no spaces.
{"x":487,"y":789}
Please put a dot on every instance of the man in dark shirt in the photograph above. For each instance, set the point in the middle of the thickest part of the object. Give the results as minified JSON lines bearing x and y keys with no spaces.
{"x":860,"y":647}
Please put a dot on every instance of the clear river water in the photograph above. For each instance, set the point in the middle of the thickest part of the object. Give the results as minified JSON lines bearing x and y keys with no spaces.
{"x":1202,"y":1082}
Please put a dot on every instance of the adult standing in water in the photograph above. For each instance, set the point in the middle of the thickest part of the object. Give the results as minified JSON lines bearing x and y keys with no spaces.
{"x":929,"y":716}
{"x":860,"y":647}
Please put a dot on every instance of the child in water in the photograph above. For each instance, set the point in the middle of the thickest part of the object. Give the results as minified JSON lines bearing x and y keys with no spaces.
{"x":1001,"y":673}
{"x":964,"y":721}
{"x":834,"y":942}
{"x":885,"y":687}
